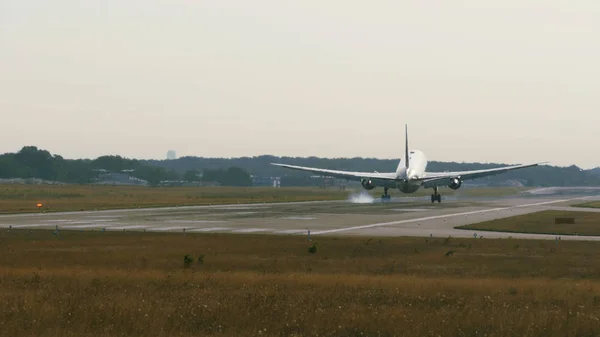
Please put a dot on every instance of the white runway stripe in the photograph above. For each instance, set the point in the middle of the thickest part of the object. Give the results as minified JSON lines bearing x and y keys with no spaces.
{"x":250,"y":230}
{"x":166,"y":228}
{"x":195,"y":221}
{"x":26,"y":226}
{"x":130,"y":227}
{"x":292,"y":231}
{"x":98,"y":225}
{"x":210,"y":229}
{"x":102,"y":216}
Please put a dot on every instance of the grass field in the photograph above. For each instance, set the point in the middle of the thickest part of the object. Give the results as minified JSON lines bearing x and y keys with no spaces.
{"x":592,"y":204}
{"x":134,"y":284}
{"x":586,"y":223}
{"x":24,"y":198}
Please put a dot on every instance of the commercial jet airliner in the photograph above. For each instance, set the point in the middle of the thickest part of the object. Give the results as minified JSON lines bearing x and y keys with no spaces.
{"x":410,"y":175}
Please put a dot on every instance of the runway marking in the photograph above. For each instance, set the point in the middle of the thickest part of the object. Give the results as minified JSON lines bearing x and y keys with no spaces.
{"x":411,"y":209}
{"x":292,"y":231}
{"x":250,"y":230}
{"x":73,"y":222}
{"x":102,"y":216}
{"x":195,"y":221}
{"x":86,"y":226}
{"x":299,"y":218}
{"x":25,"y":226}
{"x":166,"y":228}
{"x":381,"y":224}
{"x":210,"y":229}
{"x":130,"y":227}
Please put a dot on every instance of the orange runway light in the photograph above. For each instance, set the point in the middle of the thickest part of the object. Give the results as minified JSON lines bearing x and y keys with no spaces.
{"x":39,"y":205}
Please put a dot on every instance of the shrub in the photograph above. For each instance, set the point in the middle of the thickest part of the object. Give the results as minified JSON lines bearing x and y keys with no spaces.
{"x":200,"y":259}
{"x":187,"y":261}
{"x":312,"y":249}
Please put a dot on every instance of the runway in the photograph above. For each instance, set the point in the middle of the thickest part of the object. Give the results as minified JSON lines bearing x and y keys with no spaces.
{"x":404,"y":216}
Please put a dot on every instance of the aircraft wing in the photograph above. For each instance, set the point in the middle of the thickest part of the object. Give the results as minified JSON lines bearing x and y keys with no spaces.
{"x":389,"y":177}
{"x":432,"y":179}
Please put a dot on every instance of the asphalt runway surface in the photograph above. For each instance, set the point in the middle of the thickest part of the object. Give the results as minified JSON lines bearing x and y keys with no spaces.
{"x":404,"y":216}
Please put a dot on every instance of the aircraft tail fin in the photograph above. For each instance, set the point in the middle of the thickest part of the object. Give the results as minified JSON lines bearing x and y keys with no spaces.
{"x":406,"y":159}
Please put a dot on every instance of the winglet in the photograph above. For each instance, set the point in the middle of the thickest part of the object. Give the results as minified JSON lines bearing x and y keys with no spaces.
{"x":406,"y":160}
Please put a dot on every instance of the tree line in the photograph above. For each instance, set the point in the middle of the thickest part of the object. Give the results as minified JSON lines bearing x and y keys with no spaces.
{"x":31,"y":162}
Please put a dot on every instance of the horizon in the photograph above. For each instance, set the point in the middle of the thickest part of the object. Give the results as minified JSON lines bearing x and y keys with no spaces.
{"x":284,"y":156}
{"x":512,"y":81}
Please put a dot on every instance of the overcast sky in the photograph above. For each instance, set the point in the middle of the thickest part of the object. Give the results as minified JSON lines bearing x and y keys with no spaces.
{"x":512,"y":81}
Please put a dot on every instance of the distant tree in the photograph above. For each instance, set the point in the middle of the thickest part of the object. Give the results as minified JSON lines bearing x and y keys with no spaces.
{"x":233,"y":176}
{"x":236,"y":176}
{"x":154,"y":174}
{"x":115,"y":163}
{"x":191,"y":175}
{"x":40,"y":162}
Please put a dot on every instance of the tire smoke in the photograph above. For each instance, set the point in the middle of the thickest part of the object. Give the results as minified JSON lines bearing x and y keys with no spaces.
{"x":361,"y":198}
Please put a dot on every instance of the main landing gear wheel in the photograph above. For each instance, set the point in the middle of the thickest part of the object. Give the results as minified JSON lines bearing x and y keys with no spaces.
{"x":385,"y":197}
{"x":436,"y":196}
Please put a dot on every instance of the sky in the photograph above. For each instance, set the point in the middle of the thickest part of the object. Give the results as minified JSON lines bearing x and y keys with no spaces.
{"x":511,"y":81}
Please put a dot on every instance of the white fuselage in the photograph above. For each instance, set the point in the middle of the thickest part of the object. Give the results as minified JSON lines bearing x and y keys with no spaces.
{"x":417,"y":163}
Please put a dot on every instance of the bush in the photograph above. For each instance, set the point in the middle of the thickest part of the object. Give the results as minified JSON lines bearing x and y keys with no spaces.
{"x":312,"y":249}
{"x":200,"y":259}
{"x":187,"y":261}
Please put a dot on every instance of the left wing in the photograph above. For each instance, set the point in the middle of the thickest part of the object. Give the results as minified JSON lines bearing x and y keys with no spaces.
{"x":389,"y":177}
{"x":433,"y":179}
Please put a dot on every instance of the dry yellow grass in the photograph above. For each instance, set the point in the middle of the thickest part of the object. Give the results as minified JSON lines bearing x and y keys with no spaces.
{"x":134,"y":284}
{"x":586,"y":223}
{"x":591,"y":204}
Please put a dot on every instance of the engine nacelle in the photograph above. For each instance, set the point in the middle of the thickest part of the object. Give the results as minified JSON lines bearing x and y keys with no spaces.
{"x":455,"y":183}
{"x":367,"y":184}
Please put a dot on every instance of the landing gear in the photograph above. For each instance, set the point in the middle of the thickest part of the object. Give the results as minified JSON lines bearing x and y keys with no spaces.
{"x":436,"y":196}
{"x":385,"y":197}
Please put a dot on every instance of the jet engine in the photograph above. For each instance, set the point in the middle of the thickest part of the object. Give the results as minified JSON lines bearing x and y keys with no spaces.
{"x":367,"y":184}
{"x":455,"y":183}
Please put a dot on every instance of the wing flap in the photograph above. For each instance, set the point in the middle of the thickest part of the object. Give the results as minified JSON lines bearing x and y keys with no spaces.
{"x":343,"y":174}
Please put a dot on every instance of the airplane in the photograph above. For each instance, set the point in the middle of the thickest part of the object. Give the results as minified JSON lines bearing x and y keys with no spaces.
{"x":410,"y":175}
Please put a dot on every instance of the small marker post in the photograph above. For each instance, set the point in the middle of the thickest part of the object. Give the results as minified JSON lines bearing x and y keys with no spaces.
{"x":309,"y":235}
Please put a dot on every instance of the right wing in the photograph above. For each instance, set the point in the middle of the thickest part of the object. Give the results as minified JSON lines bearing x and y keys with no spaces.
{"x":443,"y":178}
{"x":376,"y":176}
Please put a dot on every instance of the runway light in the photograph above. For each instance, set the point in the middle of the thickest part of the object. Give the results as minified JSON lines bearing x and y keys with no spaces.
{"x":39,"y":205}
